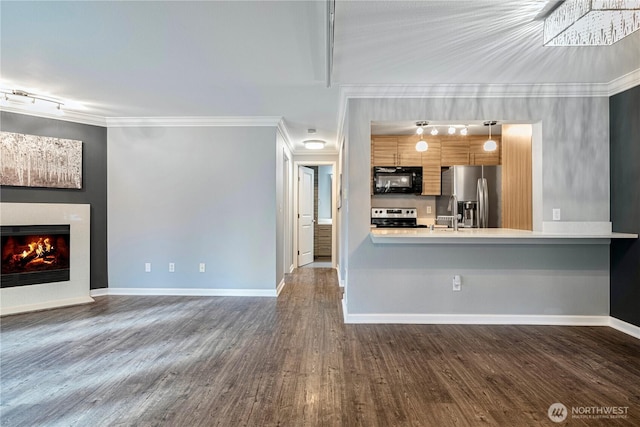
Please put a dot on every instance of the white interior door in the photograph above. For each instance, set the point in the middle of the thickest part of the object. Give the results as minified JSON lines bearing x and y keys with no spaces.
{"x":306,"y":219}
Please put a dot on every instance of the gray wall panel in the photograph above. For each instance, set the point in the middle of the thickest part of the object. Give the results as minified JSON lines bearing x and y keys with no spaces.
{"x":625,"y":204}
{"x":564,"y":280}
{"x":94,"y":180}
{"x":190,"y":195}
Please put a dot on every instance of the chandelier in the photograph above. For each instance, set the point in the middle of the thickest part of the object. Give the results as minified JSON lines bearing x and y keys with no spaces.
{"x":591,"y":22}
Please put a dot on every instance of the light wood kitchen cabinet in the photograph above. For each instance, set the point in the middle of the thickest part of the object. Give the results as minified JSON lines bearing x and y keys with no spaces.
{"x":395,"y":151}
{"x":431,"y":172}
{"x":517,"y":193}
{"x":454,"y":151}
{"x":407,"y":154}
{"x":477,"y":155}
{"x":384,"y":150}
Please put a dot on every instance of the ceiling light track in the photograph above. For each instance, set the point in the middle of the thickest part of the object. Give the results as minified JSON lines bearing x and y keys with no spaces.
{"x":30,"y":100}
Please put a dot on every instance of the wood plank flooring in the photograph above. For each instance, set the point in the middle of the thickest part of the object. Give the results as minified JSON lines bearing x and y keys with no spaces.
{"x":290,"y":361}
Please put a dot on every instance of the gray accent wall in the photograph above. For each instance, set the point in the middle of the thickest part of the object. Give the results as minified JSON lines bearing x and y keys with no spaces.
{"x":511,"y":280}
{"x":625,"y":204}
{"x":189,"y":195}
{"x":94,"y":180}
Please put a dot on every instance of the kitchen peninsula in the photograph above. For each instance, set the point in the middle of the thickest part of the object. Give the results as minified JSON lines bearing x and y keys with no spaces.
{"x":505,"y":236}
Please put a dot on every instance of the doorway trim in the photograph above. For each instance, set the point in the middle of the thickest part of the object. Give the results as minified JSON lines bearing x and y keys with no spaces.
{"x":334,"y":210}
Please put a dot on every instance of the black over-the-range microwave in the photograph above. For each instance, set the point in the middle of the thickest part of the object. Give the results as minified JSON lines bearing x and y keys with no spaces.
{"x":397,"y":180}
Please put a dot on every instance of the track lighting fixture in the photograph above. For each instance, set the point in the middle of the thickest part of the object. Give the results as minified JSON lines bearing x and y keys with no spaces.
{"x":30,"y":100}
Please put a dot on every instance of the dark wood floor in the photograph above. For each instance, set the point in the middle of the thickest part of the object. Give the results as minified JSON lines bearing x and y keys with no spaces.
{"x":227,"y":361}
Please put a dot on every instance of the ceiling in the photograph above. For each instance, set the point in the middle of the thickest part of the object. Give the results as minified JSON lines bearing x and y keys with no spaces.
{"x":269,"y":58}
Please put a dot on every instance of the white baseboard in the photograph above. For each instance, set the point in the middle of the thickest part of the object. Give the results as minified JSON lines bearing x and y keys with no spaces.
{"x":477,"y":319}
{"x":99,"y":292}
{"x":45,"y":305}
{"x":280,"y":287}
{"x":195,"y":292}
{"x":625,"y":327}
{"x":340,"y":281}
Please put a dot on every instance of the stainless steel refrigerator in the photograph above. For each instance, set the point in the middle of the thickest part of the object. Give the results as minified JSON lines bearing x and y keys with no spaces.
{"x":479,"y":184}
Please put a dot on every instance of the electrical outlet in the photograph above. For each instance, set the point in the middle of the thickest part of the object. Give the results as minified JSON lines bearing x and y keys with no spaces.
{"x":172,"y":267}
{"x":556,"y":214}
{"x":147,"y":267}
{"x":457,"y":282}
{"x":202,"y":267}
{"x":428,"y":209}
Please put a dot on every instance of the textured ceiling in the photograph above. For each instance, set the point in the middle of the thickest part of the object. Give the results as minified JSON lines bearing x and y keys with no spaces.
{"x":267,"y":58}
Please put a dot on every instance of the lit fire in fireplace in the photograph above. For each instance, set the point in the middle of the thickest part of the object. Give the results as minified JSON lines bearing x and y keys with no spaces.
{"x":40,"y":250}
{"x":34,"y":254}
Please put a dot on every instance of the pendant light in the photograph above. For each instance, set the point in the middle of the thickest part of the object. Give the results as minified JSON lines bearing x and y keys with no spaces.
{"x":452,"y":130}
{"x":434,"y":131}
{"x":464,"y":131}
{"x":422,"y":144}
{"x":490,"y":144}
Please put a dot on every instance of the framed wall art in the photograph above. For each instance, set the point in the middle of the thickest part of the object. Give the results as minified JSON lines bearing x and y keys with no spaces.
{"x":40,"y":161}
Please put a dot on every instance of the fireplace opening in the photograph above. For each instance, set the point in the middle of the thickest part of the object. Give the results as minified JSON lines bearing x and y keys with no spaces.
{"x":34,"y":254}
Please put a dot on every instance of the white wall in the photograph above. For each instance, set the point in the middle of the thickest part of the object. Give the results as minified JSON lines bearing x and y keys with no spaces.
{"x":189,"y":195}
{"x":284,"y":190}
{"x":546,"y":279}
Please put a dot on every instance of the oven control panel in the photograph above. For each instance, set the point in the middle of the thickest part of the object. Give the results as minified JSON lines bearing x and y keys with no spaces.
{"x":394,"y":213}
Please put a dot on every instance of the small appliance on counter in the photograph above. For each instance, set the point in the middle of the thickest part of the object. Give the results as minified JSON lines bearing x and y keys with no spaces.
{"x":395,"y":218}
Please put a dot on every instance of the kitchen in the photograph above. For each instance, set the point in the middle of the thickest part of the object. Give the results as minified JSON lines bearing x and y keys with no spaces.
{"x":452,"y":159}
{"x":556,"y":272}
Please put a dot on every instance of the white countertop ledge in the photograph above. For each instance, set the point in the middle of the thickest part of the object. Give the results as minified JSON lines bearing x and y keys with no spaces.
{"x":483,"y":236}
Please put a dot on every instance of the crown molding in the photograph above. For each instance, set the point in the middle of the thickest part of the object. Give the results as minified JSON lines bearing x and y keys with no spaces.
{"x":545,"y":90}
{"x":625,"y":82}
{"x":196,"y":121}
{"x":68,"y":116}
{"x":284,"y":131}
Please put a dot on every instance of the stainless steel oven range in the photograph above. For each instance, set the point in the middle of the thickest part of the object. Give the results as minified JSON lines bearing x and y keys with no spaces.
{"x":395,"y":218}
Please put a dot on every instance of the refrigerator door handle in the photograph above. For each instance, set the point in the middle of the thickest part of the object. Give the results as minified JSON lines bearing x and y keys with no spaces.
{"x":486,"y":202}
{"x":480,"y":202}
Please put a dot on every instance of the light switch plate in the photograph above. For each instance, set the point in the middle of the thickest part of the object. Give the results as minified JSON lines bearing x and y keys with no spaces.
{"x":147,"y":267}
{"x":556,"y":214}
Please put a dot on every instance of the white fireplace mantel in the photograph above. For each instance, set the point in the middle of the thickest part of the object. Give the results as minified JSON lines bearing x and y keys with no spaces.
{"x":58,"y":294}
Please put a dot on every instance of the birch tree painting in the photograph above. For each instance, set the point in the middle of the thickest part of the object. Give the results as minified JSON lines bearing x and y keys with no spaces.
{"x":40,"y":161}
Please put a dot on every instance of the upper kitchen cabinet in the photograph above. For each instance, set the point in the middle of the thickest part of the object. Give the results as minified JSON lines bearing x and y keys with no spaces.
{"x":384,"y":150}
{"x":477,"y":155}
{"x":395,"y":151}
{"x":407,"y":154}
{"x":454,"y":150}
{"x":468,"y":150}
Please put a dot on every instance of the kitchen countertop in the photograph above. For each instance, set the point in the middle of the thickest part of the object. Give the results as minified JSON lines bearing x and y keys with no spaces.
{"x":504,"y":236}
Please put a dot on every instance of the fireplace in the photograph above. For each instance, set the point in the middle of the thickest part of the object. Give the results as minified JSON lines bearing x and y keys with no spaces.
{"x":34,"y":254}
